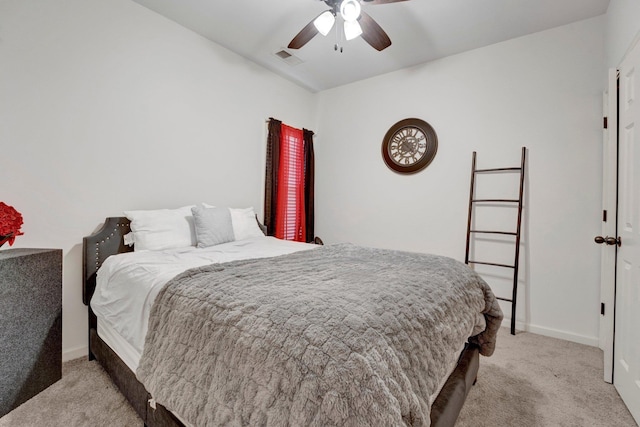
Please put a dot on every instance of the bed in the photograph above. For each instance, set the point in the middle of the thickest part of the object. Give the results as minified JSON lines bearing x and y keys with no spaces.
{"x":440,"y":409}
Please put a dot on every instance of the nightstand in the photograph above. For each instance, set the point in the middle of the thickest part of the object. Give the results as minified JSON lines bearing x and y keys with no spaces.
{"x":30,"y":323}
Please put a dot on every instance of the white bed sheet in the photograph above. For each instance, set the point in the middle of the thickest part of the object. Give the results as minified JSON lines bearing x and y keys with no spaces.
{"x":127,"y":284}
{"x":125,"y":351}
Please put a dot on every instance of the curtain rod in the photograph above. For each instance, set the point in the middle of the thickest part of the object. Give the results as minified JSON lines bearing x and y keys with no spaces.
{"x":271,"y":118}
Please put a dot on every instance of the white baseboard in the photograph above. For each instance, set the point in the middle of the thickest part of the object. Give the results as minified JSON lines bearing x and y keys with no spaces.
{"x":554,"y":333}
{"x":75,"y":353}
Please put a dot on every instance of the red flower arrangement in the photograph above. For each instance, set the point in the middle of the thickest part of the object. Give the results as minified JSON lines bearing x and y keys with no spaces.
{"x":10,"y":223}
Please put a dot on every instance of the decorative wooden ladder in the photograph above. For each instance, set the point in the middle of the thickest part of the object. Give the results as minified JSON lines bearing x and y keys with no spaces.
{"x":470,"y":231}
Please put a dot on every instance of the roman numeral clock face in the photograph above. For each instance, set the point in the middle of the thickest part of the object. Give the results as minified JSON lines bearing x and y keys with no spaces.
{"x":409,"y":146}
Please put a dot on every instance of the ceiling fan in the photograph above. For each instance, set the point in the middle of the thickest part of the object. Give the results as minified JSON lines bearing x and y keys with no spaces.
{"x":356,"y":23}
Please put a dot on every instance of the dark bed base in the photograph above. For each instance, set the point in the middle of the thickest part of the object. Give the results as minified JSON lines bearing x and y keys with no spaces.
{"x":108,"y":241}
{"x":447,"y":406}
{"x":129,"y":386}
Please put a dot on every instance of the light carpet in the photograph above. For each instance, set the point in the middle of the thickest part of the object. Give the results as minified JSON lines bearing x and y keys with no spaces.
{"x":530,"y":381}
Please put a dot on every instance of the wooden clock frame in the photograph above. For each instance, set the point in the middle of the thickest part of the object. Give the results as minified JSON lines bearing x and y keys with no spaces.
{"x":402,"y":136}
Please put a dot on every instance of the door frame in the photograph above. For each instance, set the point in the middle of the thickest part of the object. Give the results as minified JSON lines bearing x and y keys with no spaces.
{"x":608,"y":254}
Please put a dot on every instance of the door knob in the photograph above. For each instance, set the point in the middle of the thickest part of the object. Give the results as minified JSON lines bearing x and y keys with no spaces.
{"x":608,"y":240}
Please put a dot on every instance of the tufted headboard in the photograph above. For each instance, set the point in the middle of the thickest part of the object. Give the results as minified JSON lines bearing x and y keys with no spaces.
{"x":96,"y":248}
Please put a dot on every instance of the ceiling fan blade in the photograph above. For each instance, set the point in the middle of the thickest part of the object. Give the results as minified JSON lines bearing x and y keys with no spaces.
{"x":382,"y":1}
{"x":303,"y":37}
{"x":373,"y":33}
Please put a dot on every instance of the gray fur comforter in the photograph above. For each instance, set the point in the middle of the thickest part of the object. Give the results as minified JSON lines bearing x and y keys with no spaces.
{"x":336,"y":336}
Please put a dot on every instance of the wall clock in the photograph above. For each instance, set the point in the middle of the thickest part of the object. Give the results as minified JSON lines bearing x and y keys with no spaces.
{"x":409,"y":146}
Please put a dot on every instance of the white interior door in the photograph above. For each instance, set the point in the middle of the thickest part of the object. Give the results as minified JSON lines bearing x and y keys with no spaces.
{"x":609,"y":214}
{"x":627,"y":318}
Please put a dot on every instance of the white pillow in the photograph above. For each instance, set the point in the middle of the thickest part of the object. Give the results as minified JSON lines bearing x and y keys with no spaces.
{"x":245,"y":225}
{"x":155,"y":230}
{"x":244,"y":222}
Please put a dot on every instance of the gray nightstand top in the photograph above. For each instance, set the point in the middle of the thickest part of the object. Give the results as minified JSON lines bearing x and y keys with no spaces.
{"x":12,"y":253}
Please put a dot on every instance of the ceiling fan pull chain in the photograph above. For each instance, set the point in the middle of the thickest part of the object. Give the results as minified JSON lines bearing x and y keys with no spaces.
{"x":338,"y":45}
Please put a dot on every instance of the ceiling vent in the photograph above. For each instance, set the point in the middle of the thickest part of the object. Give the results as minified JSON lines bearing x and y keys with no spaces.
{"x":288,"y":58}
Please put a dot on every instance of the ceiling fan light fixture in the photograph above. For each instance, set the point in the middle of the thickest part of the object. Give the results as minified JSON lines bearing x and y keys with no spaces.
{"x":350,"y":10}
{"x":324,"y":22}
{"x":352,"y":29}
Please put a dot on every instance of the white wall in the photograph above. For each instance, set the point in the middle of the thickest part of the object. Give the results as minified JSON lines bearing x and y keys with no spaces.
{"x":106,"y":106}
{"x":623,"y":26}
{"x":542,"y":91}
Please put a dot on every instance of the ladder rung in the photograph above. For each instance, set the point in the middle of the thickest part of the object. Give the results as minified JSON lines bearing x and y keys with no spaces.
{"x":495,"y":200}
{"x":497,"y":170}
{"x":504,"y":299}
{"x":491,"y":263}
{"x":508,"y":233}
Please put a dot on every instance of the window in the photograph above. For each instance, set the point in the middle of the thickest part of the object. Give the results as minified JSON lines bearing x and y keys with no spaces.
{"x":289,"y":192}
{"x":290,"y":221}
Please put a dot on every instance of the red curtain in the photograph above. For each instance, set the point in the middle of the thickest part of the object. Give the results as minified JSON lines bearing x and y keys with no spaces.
{"x":290,"y":215}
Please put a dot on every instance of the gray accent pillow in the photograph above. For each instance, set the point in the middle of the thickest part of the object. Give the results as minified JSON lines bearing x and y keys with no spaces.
{"x":213,"y":226}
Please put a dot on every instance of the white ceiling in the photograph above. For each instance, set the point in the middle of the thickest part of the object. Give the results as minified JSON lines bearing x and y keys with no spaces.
{"x":420,"y":30}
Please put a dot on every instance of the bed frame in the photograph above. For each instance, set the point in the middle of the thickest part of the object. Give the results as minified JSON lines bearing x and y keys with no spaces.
{"x":108,"y":240}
